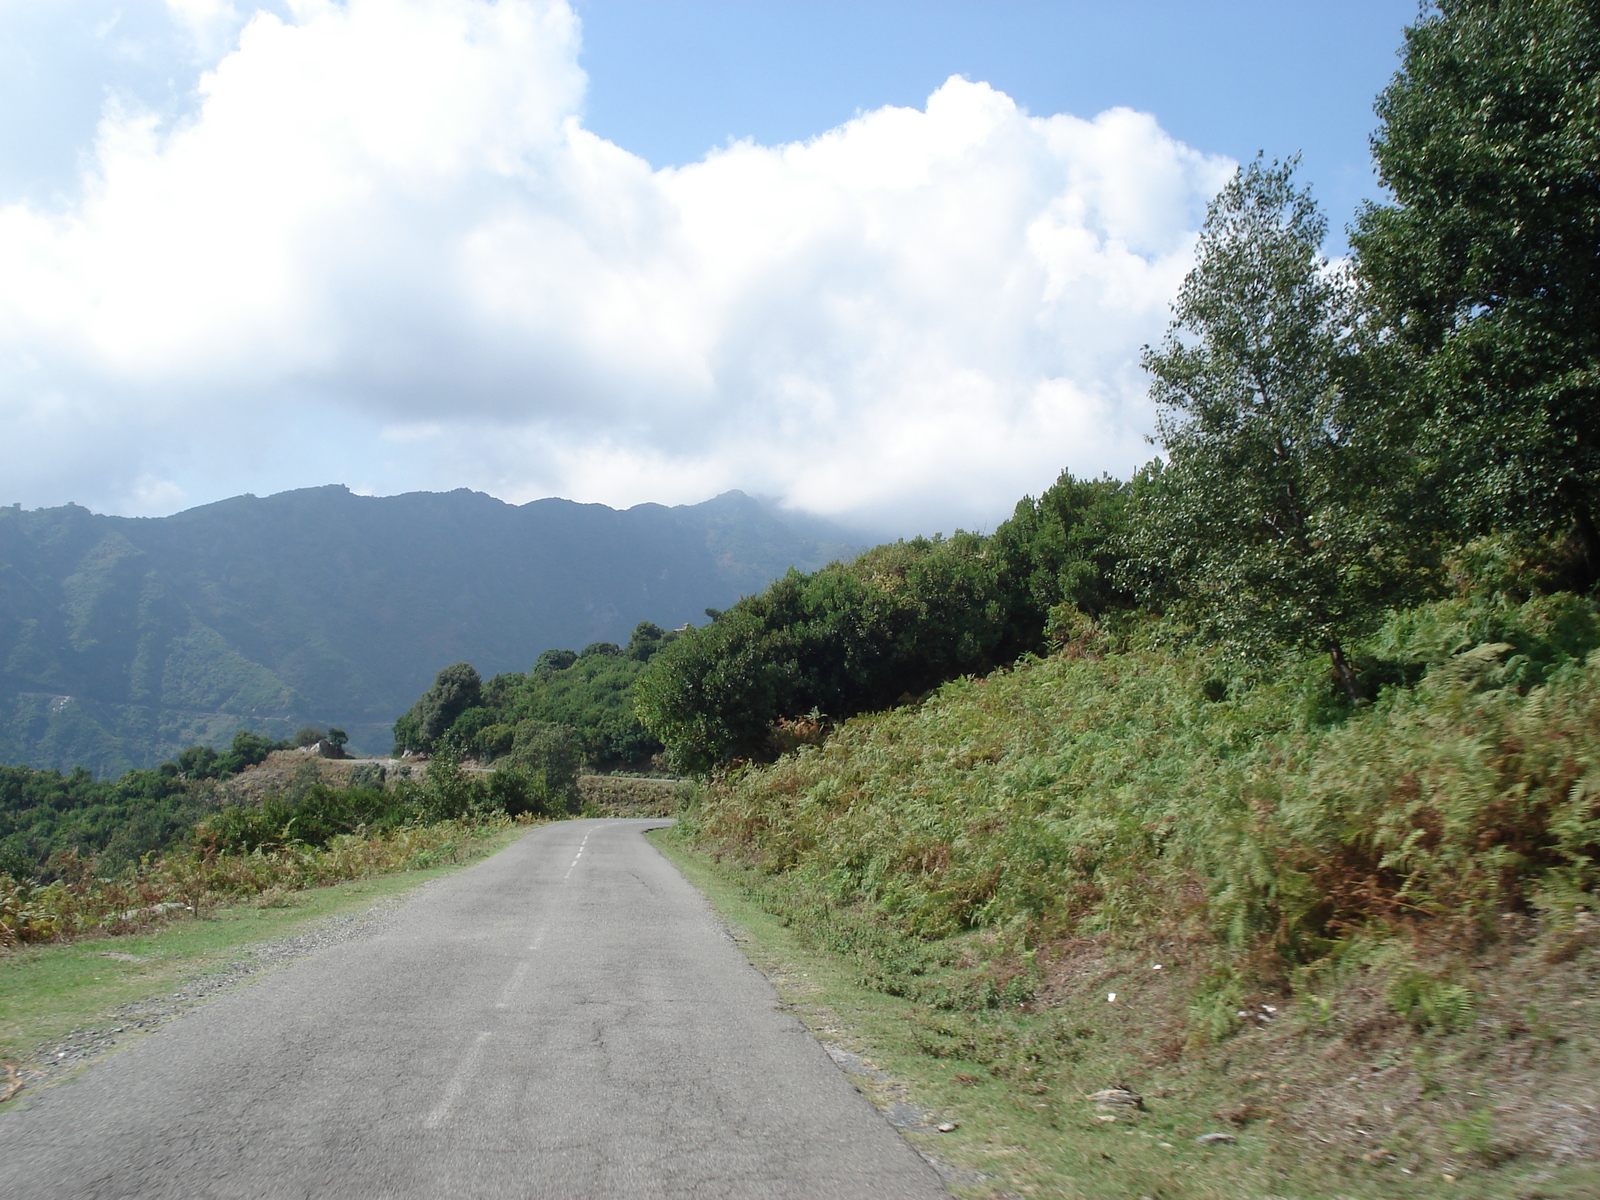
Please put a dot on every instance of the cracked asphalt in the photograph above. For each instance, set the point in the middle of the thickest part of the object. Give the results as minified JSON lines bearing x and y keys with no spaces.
{"x":565,"y":1019}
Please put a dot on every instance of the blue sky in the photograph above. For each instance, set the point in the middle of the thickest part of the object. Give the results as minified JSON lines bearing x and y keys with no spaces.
{"x":671,"y":80}
{"x":626,"y":251}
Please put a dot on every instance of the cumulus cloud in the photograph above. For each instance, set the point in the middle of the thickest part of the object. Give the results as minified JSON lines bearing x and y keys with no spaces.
{"x":383,"y":249}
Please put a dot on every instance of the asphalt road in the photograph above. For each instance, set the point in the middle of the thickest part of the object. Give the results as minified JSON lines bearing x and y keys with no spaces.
{"x":565,"y":1019}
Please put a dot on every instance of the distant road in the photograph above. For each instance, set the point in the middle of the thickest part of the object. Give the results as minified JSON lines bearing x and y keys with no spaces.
{"x":565,"y":1019}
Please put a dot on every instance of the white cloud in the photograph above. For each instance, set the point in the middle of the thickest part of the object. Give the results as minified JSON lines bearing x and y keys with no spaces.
{"x":384,"y":248}
{"x":210,"y":23}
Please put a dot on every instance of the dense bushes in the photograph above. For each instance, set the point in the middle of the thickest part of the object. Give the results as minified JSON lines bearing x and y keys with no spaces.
{"x":455,"y":690}
{"x":890,"y":625}
{"x":46,"y":813}
{"x":47,"y":818}
{"x":1096,"y":794}
{"x":305,"y":835}
{"x":570,"y":708}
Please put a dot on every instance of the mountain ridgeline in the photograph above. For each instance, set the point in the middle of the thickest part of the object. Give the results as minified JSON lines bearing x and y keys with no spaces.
{"x":123,"y":640}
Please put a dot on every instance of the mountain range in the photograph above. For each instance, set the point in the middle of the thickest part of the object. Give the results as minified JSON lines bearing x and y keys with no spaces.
{"x":124,"y":639}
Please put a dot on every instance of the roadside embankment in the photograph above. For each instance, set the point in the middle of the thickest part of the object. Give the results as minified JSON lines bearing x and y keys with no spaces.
{"x":630,"y":795}
{"x":1361,"y":951}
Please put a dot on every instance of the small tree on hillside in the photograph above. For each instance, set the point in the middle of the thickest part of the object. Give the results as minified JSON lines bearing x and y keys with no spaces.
{"x":1270,"y":522}
{"x":448,"y":792}
{"x":554,"y":660}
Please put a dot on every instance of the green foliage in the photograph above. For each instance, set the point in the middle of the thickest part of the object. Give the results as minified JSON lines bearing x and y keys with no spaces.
{"x":1432,"y":1003}
{"x":314,"y":817}
{"x":516,"y":791}
{"x":1276,"y":521}
{"x":368,"y":775}
{"x":316,"y":814}
{"x":1098,"y":795}
{"x":552,"y":756}
{"x":45,"y":814}
{"x":407,"y":733}
{"x":647,"y":638}
{"x":555,"y":660}
{"x":1532,"y":639}
{"x":455,"y":689}
{"x":1483,"y":269}
{"x":1064,"y":548}
{"x":469,"y":728}
{"x":588,"y":697}
{"x":202,"y":762}
{"x":896,"y":621}
{"x":449,"y":793}
{"x":888,"y":626}
{"x":594,"y":697}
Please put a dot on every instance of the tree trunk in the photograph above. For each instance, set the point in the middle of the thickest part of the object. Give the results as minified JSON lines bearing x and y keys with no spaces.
{"x":1588,"y":539}
{"x":1345,"y":674}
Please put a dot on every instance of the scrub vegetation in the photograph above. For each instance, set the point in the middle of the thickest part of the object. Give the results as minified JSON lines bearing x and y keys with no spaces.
{"x":305,"y":835}
{"x":583,"y":699}
{"x":1255,"y":797}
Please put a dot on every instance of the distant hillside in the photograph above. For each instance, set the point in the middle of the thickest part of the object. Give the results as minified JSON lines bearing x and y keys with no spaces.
{"x":124,"y":639}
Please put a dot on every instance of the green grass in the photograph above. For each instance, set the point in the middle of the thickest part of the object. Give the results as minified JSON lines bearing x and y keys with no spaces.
{"x":47,"y":991}
{"x":1016,"y":1077}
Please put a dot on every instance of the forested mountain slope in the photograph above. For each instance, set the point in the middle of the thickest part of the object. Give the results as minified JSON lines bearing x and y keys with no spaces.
{"x":124,"y":639}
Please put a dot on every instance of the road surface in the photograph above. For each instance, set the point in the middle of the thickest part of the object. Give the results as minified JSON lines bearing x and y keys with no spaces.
{"x":564,"y":1019}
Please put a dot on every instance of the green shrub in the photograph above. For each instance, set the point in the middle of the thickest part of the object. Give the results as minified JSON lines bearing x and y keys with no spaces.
{"x":554,"y":755}
{"x":313,"y":817}
{"x":1096,"y":794}
{"x":517,"y":791}
{"x":1432,"y":1003}
{"x":44,"y":814}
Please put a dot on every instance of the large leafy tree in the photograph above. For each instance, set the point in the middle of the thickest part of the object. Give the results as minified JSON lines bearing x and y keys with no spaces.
{"x":455,"y":689}
{"x":1485,"y":269}
{"x":1271,"y":521}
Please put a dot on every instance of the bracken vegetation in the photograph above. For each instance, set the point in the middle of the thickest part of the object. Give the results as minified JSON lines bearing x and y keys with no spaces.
{"x":1306,"y":716}
{"x":304,"y":835}
{"x":81,"y":902}
{"x":1109,"y":789}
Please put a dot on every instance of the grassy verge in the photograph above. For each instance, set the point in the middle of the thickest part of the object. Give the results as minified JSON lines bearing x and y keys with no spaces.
{"x":47,"y":991}
{"x":1290,"y":1093}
